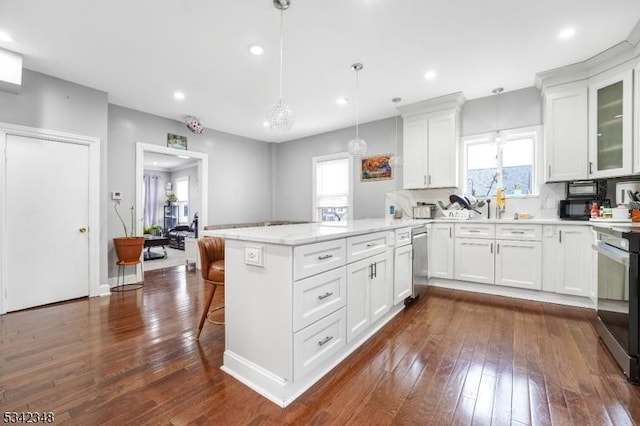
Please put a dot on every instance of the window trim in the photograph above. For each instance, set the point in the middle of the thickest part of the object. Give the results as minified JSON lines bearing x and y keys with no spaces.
{"x":505,"y":135}
{"x":314,"y":197}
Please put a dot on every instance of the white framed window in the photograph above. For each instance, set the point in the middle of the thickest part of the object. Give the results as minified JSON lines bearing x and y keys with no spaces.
{"x":509,"y":159}
{"x":332,"y":187}
{"x":182,"y":193}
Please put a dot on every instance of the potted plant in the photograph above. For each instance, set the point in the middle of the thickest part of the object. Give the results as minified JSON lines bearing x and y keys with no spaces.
{"x":171,"y":198}
{"x":128,"y":248}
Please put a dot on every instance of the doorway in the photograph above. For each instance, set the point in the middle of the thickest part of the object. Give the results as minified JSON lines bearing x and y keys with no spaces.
{"x":146,"y":152}
{"x":49,"y":217}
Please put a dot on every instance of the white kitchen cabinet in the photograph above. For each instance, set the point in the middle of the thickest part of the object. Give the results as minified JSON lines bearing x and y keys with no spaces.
{"x":519,"y":264}
{"x":567,"y":259}
{"x":610,"y":125}
{"x":636,"y":126}
{"x":441,"y":250}
{"x":369,"y":292}
{"x":430,"y":142}
{"x":474,"y":260}
{"x":402,"y":273}
{"x":566,"y":143}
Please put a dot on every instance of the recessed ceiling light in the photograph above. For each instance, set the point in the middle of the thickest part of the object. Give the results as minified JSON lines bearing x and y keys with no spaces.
{"x":430,"y":75}
{"x":567,"y":33}
{"x":265,"y":123}
{"x":6,"y":37}
{"x":178,"y":95}
{"x":342,"y":101}
{"x":254,"y":49}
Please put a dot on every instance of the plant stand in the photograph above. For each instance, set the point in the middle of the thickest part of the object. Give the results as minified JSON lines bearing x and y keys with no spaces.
{"x":127,"y":287}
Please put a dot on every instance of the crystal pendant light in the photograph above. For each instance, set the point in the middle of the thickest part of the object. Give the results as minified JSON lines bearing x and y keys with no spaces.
{"x":396,"y":160}
{"x":357,"y":147}
{"x":280,"y":115}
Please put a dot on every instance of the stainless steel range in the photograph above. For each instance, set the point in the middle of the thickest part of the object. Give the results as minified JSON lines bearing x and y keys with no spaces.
{"x":618,"y":321}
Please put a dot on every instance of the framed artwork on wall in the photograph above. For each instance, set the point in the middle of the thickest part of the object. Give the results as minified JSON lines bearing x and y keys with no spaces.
{"x":176,"y":141}
{"x":376,"y":167}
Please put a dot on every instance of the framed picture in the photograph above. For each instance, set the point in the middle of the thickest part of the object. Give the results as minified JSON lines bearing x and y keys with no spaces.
{"x":376,"y":167}
{"x":176,"y":141}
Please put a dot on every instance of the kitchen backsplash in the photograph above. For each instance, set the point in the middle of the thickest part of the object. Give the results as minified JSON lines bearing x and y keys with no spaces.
{"x":543,"y":206}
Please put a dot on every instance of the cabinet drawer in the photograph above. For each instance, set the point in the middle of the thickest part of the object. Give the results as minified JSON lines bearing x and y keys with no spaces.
{"x":316,"y":297}
{"x":519,"y":232}
{"x":475,"y":230}
{"x":312,"y":259}
{"x":402,"y":237}
{"x":363,"y":246}
{"x":317,"y":343}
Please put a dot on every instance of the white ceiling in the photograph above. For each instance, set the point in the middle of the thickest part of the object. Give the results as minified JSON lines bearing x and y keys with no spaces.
{"x":140,"y":52}
{"x":166,"y":162}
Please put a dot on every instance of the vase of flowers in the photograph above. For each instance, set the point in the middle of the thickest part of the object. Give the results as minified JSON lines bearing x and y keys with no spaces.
{"x":128,"y":248}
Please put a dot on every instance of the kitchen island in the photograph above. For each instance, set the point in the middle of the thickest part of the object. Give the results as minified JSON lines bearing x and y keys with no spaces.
{"x":300,"y":298}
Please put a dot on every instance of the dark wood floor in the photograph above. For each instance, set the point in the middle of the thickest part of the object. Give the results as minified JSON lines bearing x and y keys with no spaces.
{"x":453,"y":358}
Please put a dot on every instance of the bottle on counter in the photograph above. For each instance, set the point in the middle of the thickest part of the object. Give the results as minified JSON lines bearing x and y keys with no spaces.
{"x":595,"y":211}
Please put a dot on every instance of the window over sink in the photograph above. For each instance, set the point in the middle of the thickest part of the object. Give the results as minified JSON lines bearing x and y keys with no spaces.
{"x":332,"y":187}
{"x":506,"y":159}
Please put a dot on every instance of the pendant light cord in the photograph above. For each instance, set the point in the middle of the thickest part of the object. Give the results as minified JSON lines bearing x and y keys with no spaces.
{"x":357,"y":95}
{"x":281,"y":37}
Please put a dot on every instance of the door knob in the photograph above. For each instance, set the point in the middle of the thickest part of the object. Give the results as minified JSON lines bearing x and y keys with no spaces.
{"x":82,"y":229}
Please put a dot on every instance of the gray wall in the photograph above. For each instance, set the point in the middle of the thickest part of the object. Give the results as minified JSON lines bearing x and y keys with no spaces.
{"x":292,"y":170}
{"x":520,"y":108}
{"x":49,"y":103}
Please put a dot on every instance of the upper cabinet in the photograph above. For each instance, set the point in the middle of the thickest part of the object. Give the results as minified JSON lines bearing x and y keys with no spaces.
{"x":611,"y":125}
{"x":565,"y":132}
{"x":430,"y":142}
{"x":636,"y":125}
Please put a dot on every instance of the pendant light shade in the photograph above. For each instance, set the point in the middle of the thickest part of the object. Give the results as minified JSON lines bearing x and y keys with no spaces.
{"x":357,"y":147}
{"x":396,"y":160}
{"x":280,"y":116}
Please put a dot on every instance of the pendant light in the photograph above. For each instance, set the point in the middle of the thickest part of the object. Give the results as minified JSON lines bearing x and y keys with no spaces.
{"x":280,"y":116}
{"x":357,"y":147}
{"x":496,"y":134}
{"x":396,"y":160}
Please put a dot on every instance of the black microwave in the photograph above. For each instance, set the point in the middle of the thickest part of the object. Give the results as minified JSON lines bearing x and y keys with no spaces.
{"x":578,"y":208}
{"x":595,"y":189}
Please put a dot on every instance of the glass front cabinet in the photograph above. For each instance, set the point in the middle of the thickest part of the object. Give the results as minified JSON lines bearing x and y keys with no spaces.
{"x":611,"y":126}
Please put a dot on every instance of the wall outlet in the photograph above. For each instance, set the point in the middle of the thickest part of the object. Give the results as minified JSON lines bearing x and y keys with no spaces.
{"x":551,"y":203}
{"x":254,"y":255}
{"x":116,"y":195}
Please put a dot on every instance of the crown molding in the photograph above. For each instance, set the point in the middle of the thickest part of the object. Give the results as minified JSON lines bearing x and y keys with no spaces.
{"x":453,"y":101}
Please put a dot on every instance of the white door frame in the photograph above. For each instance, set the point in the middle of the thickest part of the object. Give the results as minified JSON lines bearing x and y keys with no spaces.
{"x":203,"y":177}
{"x":94,"y":200}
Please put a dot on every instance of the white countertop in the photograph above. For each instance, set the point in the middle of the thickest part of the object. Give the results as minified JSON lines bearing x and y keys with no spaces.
{"x":511,"y":221}
{"x":305,"y":233}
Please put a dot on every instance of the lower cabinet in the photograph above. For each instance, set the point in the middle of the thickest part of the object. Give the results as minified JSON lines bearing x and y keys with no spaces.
{"x":474,"y":260}
{"x":369,"y":292}
{"x":567,"y":259}
{"x":441,"y":250}
{"x":402,"y":273}
{"x":519,"y":264}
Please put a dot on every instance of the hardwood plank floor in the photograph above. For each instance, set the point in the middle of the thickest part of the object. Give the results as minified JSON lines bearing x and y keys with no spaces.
{"x":452,"y":358}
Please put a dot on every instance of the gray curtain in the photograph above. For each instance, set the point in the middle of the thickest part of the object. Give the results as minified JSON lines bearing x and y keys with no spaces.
{"x":150,"y":200}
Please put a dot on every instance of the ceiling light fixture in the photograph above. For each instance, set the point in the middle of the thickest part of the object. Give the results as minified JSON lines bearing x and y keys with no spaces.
{"x":342,"y":101}
{"x":567,"y":33}
{"x":256,"y":50}
{"x":280,"y":116}
{"x":496,"y":134}
{"x":178,"y":95}
{"x":265,"y":123}
{"x":396,"y":160}
{"x":430,"y":75}
{"x":357,"y":147}
{"x":6,"y":37}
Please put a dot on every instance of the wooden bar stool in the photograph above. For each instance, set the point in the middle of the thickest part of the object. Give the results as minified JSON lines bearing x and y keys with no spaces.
{"x":127,"y":287}
{"x":212,"y":269}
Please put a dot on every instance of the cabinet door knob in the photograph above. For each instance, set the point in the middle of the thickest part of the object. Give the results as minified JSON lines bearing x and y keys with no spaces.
{"x":82,"y":229}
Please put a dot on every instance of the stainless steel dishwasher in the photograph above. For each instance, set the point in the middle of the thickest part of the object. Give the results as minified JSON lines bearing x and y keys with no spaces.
{"x":420,"y":264}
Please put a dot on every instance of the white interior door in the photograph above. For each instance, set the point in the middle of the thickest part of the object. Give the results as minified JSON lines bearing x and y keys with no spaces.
{"x":47,"y":217}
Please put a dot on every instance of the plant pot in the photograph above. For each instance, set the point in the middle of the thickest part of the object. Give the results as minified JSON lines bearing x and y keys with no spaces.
{"x":128,"y":249}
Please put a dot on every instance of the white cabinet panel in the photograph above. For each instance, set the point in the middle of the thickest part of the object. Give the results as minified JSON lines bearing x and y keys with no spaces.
{"x":402,"y":273}
{"x":475,"y":230}
{"x":442,"y":151}
{"x":363,"y":246}
{"x":474,"y":260}
{"x":566,"y":142}
{"x":318,"y":296}
{"x":381,"y":285}
{"x":519,"y":232}
{"x":414,"y":146}
{"x":441,"y":250}
{"x":315,"y":258}
{"x":402,"y":237}
{"x":519,"y":264}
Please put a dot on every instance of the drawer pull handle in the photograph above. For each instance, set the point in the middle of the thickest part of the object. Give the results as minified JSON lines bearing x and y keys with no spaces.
{"x":326,"y":256}
{"x":474,"y":230}
{"x":324,"y":296}
{"x":372,"y":244}
{"x":517,"y":232}
{"x":325,"y":340}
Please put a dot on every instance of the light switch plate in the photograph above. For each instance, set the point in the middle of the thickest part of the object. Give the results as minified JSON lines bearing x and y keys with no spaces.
{"x":254,"y":255}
